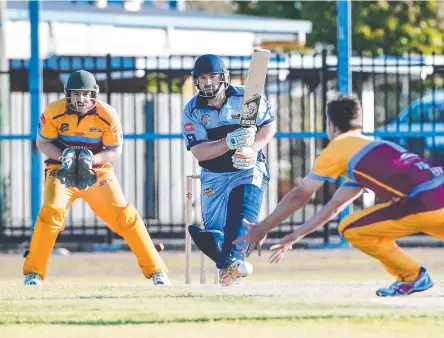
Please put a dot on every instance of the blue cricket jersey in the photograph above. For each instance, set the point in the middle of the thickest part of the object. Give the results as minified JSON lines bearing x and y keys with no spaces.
{"x":201,"y":122}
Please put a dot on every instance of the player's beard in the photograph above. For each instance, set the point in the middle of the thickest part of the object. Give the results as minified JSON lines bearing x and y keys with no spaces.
{"x":210,"y":89}
{"x":219,"y":99}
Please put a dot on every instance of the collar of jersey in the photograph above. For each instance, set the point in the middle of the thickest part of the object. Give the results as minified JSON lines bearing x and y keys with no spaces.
{"x":202,"y":103}
{"x":353,"y":133}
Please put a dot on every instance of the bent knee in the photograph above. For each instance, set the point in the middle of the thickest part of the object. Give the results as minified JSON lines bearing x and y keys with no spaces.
{"x":245,"y":202}
{"x":350,"y":227}
{"x":357,"y":235}
{"x":127,"y":218}
{"x":52,"y":215}
{"x":344,"y":225}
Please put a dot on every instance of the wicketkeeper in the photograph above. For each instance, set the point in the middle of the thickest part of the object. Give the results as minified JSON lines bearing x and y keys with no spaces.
{"x":233,"y":182}
{"x":81,"y":136}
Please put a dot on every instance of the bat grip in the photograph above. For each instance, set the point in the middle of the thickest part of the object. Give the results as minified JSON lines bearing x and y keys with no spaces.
{"x":240,"y":150}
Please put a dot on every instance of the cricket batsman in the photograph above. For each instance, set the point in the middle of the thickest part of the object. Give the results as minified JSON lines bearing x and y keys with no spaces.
{"x":82,"y":136}
{"x":233,"y":181}
{"x":413,"y":191}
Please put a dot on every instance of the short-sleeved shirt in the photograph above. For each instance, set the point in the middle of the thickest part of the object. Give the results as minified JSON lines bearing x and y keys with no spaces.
{"x":201,"y":122}
{"x":98,"y":129}
{"x":384,"y":167}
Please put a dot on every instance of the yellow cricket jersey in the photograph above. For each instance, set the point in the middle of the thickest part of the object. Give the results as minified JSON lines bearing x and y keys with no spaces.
{"x":384,"y":167}
{"x":99,"y":129}
{"x":334,"y":160}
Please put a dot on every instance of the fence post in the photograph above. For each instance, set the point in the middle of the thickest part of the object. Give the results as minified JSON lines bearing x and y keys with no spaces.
{"x":4,"y":103}
{"x":109,"y":234}
{"x":149,"y":154}
{"x":35,"y":91}
{"x":344,"y":52}
{"x":344,"y":71}
{"x":325,"y":189}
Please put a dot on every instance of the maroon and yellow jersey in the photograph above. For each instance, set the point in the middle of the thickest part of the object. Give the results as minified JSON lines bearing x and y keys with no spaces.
{"x":384,"y":167}
{"x":97,"y":130}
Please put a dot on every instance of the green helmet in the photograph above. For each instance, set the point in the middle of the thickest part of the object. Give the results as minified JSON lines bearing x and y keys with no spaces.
{"x":81,"y":81}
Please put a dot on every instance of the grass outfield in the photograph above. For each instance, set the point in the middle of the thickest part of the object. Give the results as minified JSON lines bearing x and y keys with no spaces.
{"x":328,"y":293}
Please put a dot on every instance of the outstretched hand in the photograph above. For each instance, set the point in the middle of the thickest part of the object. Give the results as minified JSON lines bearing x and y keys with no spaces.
{"x":279,"y":249}
{"x":253,"y":239}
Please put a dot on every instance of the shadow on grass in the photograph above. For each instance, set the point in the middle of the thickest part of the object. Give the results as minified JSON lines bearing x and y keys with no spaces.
{"x":156,"y":296}
{"x":108,"y":297}
{"x":231,"y":319}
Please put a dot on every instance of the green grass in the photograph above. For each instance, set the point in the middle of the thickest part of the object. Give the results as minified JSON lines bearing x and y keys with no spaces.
{"x":311,"y":294}
{"x":369,"y":328}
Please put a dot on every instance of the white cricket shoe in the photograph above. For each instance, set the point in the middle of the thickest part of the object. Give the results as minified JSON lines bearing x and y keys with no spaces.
{"x":161,"y":278}
{"x":33,"y":279}
{"x":237,"y":270}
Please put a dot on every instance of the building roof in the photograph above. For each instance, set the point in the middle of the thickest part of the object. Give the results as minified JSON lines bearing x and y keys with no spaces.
{"x":85,"y":13}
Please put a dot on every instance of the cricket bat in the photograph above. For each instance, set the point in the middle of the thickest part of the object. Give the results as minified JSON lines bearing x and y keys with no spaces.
{"x":254,"y":87}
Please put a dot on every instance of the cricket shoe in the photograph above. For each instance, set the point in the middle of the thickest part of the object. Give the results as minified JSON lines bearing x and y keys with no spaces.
{"x":161,"y":278}
{"x":421,"y":283}
{"x":33,"y":279}
{"x":233,"y":273}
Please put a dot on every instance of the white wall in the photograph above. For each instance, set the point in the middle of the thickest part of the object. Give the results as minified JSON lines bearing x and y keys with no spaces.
{"x":98,"y":40}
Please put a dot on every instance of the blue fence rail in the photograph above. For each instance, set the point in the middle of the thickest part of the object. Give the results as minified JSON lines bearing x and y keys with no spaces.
{"x":402,"y":98}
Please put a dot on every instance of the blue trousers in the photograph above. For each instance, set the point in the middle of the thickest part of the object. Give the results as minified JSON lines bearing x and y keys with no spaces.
{"x":228,"y":198}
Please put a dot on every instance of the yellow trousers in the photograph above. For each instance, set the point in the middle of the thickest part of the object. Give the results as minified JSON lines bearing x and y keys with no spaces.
{"x":374,"y":230}
{"x":107,"y":201}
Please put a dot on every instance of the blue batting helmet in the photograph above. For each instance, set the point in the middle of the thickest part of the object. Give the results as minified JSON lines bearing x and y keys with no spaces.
{"x":210,"y":64}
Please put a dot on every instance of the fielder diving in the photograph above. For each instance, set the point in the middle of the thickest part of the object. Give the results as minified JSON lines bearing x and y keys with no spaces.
{"x":81,"y":136}
{"x":413,"y":191}
{"x":233,"y":182}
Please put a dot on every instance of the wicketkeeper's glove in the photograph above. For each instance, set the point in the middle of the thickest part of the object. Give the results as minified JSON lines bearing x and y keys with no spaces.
{"x":67,"y":172}
{"x":87,"y":176}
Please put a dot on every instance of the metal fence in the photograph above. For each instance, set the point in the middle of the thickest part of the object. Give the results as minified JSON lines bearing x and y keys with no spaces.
{"x":403,"y":100}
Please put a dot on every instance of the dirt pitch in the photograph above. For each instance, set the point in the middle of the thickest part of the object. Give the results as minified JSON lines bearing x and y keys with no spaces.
{"x":312,"y":293}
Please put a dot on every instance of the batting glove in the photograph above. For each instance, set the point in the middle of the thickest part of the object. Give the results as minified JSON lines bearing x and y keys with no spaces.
{"x":241,"y":138}
{"x":245,"y":159}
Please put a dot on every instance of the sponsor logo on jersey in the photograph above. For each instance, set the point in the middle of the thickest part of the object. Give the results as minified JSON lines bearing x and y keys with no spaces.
{"x":64,"y":127}
{"x":188,"y":126}
{"x":209,"y":192}
{"x":95,"y":130}
{"x":236,"y":116}
{"x":252,"y":176}
{"x":102,"y":183}
{"x":42,"y":119}
{"x":191,"y":138}
{"x":206,"y":118}
{"x":73,"y":146}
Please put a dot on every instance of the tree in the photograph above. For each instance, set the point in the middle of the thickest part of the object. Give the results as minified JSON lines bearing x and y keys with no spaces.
{"x":210,"y":6}
{"x":377,"y":26}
